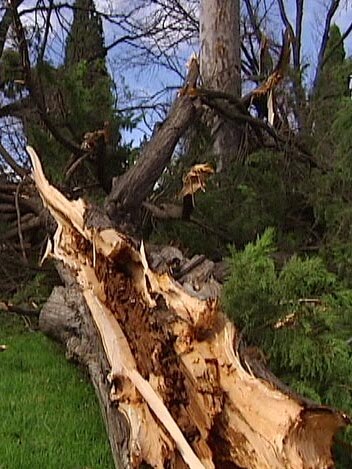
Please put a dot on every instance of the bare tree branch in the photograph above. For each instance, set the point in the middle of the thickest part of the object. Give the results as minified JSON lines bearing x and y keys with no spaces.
{"x":285,"y":20}
{"x":46,"y":32}
{"x":131,"y":189}
{"x":333,"y":49}
{"x":283,"y":15}
{"x":16,"y":108}
{"x":331,"y":12}
{"x":32,"y":87}
{"x":249,"y":53}
{"x":298,"y":36}
{"x":18,"y":212}
{"x":11,"y":162}
{"x":26,"y":225}
{"x":253,"y":20}
{"x":5,"y":24}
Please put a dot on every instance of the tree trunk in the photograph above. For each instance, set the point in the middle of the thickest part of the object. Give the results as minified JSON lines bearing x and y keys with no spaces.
{"x":220,"y":68}
{"x":66,"y":318}
{"x":164,"y":359}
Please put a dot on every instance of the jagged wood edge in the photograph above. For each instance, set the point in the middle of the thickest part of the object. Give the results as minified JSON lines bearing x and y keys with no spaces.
{"x":108,"y":242}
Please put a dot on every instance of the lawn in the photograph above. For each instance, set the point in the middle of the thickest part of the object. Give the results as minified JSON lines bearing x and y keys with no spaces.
{"x":49,"y":415}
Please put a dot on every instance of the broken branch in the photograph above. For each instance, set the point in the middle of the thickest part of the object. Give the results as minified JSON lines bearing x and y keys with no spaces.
{"x":173,"y":365}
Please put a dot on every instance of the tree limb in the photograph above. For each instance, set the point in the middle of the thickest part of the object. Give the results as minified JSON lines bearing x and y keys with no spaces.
{"x":333,"y":49}
{"x":240,"y":116}
{"x":288,"y":26}
{"x":5,"y":24}
{"x":19,"y":310}
{"x":33,"y":88}
{"x":16,"y":108}
{"x":46,"y":32}
{"x":31,"y":204}
{"x":253,"y":21}
{"x":131,"y":189}
{"x":298,"y":36}
{"x":12,"y":163}
{"x":170,"y":359}
{"x":19,"y":229}
{"x":324,"y":41}
{"x":284,"y":16}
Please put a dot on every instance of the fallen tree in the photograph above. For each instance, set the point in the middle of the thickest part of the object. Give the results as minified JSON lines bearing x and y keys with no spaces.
{"x":175,"y":385}
{"x":164,"y":359}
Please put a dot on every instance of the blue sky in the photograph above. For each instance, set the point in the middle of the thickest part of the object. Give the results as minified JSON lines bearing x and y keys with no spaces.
{"x":313,"y":25}
{"x":148,"y":80}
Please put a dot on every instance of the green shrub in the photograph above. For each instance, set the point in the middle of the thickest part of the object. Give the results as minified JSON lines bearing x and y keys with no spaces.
{"x":301,"y":317}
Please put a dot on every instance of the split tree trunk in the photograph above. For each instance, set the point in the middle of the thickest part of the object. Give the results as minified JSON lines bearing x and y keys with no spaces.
{"x":220,"y":69}
{"x":66,"y":318}
{"x":164,"y":361}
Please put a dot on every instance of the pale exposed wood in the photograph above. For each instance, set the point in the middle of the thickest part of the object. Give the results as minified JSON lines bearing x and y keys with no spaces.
{"x":195,"y":179}
{"x":172,"y":361}
{"x":66,"y":318}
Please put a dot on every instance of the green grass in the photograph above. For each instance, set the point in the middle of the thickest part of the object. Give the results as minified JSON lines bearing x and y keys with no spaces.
{"x":49,"y":415}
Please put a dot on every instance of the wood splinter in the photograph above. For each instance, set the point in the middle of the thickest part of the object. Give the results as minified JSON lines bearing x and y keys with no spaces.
{"x":176,"y":380}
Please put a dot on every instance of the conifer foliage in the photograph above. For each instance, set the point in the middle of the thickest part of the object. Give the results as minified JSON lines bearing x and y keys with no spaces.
{"x":80,"y":102}
{"x":299,"y":315}
{"x":86,"y":38}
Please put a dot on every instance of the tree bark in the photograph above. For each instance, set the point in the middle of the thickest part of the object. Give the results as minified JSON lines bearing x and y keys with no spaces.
{"x":65,"y":317}
{"x":165,"y":362}
{"x":220,"y":68}
{"x":131,"y":189}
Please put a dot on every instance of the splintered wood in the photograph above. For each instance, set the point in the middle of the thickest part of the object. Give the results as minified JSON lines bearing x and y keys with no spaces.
{"x":174,"y":372}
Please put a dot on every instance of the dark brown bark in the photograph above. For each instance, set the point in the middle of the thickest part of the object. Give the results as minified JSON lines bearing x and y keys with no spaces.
{"x":131,"y":189}
{"x":298,"y":36}
{"x":334,"y":4}
{"x":12,"y":163}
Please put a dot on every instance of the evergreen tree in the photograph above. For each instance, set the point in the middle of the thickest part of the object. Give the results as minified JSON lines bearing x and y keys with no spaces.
{"x":329,"y":190}
{"x":85,"y":64}
{"x":79,"y":100}
{"x":85,"y":40}
{"x":332,"y":85}
{"x":335,"y":52}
